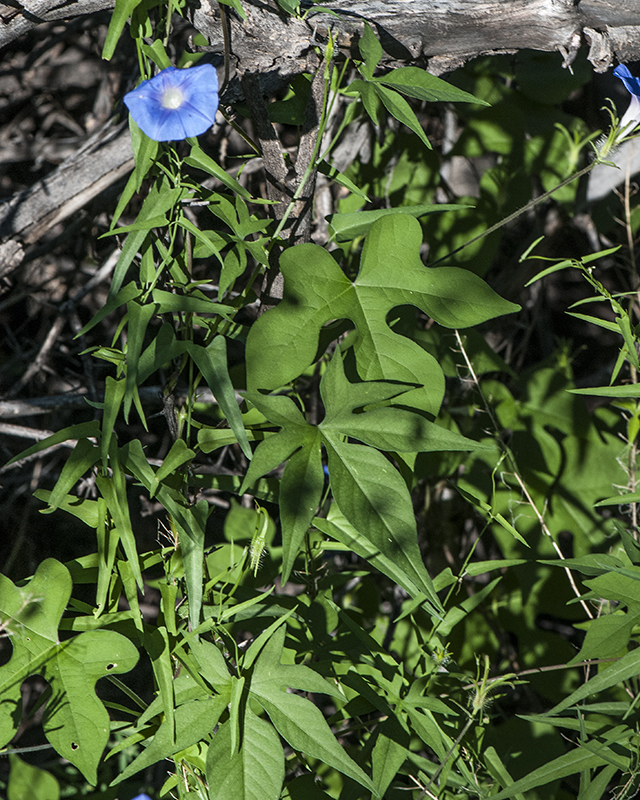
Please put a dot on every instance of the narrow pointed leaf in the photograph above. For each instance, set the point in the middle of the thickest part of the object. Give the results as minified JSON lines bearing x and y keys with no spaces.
{"x":256,"y":772}
{"x":194,"y":720}
{"x":81,"y":431}
{"x":418,"y":83}
{"x":212,"y":362}
{"x":570,"y":763}
{"x":398,"y":107}
{"x":300,"y":494}
{"x":619,"y":671}
{"x":374,"y":498}
{"x":371,"y":51}
{"x":298,"y":720}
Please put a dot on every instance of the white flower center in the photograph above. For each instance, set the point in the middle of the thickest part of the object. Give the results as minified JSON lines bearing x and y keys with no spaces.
{"x":172,"y":97}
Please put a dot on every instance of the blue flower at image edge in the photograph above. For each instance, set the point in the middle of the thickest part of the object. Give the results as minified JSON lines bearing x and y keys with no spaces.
{"x":177,"y":103}
{"x":142,"y":797}
{"x":632,"y":114}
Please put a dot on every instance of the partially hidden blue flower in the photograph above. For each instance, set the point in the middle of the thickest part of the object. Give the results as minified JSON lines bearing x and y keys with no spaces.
{"x":176,"y":103}
{"x":142,"y":797}
{"x":631,"y":117}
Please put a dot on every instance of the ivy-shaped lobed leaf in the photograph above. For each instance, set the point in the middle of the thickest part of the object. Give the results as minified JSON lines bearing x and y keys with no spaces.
{"x":30,"y":616}
{"x":297,"y":720}
{"x":284,"y":342}
{"x":368,"y":489}
{"x":75,"y":721}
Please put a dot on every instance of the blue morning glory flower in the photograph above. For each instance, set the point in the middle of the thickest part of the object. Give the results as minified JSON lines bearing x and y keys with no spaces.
{"x":632,"y":115}
{"x":177,"y":103}
{"x":142,"y":797}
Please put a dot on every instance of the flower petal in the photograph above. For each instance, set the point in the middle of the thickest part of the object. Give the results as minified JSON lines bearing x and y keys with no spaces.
{"x":632,"y":84}
{"x":631,"y":117}
{"x":197,"y":112}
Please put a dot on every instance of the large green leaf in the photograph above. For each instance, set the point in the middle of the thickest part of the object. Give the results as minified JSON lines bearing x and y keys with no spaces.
{"x":194,"y":721}
{"x":284,"y":341}
{"x":30,"y":615}
{"x":389,"y":753}
{"x":27,"y":782}
{"x":375,"y":500}
{"x":391,"y":429}
{"x":255,"y":771}
{"x":339,"y":528}
{"x":374,"y":494}
{"x":347,"y":227}
{"x":75,"y":720}
{"x":297,"y":720}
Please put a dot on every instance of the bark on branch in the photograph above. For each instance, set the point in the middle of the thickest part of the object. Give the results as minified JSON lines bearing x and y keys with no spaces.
{"x":441,"y":35}
{"x":445,"y":33}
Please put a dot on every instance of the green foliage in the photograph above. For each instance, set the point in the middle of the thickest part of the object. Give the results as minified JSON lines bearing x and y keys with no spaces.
{"x":358,"y":547}
{"x":75,"y":721}
{"x":391,"y":274}
{"x":388,"y":90}
{"x":30,"y":783}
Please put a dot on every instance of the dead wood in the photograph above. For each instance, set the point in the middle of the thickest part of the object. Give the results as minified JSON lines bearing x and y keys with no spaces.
{"x":446,"y":33}
{"x":272,"y":48}
{"x":25,"y":218}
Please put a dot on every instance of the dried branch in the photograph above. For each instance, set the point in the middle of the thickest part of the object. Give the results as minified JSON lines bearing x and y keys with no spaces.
{"x":26,"y":217}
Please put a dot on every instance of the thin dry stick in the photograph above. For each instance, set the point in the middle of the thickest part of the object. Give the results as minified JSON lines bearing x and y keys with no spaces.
{"x":531,"y":204}
{"x":550,"y":668}
{"x":425,"y":791}
{"x":543,"y":525}
{"x":40,"y":359}
{"x":547,"y":532}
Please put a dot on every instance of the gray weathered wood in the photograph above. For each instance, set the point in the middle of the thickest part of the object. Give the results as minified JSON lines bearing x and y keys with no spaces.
{"x":444,"y":32}
{"x":438,"y":34}
{"x":105,"y":158}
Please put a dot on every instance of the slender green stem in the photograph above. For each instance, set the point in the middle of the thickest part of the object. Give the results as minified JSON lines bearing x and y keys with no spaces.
{"x":129,"y":692}
{"x":531,"y":204}
{"x":18,"y":750}
{"x":452,"y":750}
